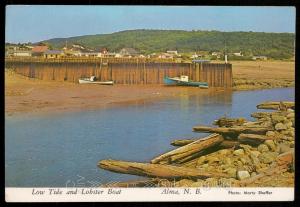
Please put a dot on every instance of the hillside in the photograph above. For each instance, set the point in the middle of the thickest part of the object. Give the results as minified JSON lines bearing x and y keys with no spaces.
{"x":275,"y":45}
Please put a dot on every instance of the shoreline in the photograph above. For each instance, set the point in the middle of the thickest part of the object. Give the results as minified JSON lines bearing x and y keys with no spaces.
{"x":25,"y":96}
{"x":34,"y":96}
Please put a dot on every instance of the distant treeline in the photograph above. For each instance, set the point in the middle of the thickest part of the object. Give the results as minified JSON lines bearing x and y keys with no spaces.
{"x":272,"y":45}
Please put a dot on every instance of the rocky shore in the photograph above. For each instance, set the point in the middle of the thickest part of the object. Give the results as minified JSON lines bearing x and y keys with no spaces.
{"x":237,"y":153}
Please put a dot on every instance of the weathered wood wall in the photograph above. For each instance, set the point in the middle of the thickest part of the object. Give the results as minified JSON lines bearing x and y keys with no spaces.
{"x":217,"y":75}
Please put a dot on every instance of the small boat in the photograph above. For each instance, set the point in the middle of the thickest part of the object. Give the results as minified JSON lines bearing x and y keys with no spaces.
{"x":184,"y":81}
{"x":92,"y":80}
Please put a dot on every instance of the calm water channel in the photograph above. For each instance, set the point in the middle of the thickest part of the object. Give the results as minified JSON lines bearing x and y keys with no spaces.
{"x":63,"y":150}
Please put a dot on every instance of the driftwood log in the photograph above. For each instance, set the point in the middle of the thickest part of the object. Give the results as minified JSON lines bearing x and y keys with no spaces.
{"x":222,"y":145}
{"x":189,"y":151}
{"x":232,"y":130}
{"x":253,"y":139}
{"x":155,"y":170}
{"x":182,"y":142}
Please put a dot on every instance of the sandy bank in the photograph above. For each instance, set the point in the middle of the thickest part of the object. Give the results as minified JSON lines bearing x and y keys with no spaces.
{"x":35,"y":96}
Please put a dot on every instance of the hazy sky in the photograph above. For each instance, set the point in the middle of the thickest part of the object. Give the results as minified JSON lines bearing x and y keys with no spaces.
{"x":36,"y":23}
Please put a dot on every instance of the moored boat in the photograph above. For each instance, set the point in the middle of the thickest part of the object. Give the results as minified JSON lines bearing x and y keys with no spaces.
{"x":92,"y":79}
{"x":184,"y":81}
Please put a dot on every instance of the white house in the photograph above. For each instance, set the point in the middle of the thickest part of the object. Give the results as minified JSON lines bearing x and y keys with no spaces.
{"x":174,"y":52}
{"x":22,"y":53}
{"x":238,"y":54}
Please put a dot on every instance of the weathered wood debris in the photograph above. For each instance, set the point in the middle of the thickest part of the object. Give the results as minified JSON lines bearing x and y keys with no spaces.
{"x":237,"y":153}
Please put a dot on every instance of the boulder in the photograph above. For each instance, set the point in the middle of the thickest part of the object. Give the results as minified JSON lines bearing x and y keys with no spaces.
{"x":271,"y":145}
{"x":270,"y":134}
{"x":231,"y":172}
{"x":290,"y":115}
{"x":201,"y":160}
{"x":267,"y":157}
{"x":280,"y":126}
{"x":277,"y":118}
{"x":241,"y":175}
{"x":239,"y":152}
{"x":289,"y":124}
{"x":284,"y":147}
{"x":263,"y":148}
{"x":199,"y":183}
{"x":224,"y":152}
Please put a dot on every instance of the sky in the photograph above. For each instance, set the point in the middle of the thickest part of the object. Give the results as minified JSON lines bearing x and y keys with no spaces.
{"x":39,"y":22}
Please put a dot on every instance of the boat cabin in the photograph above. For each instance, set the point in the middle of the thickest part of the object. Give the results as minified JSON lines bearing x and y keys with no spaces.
{"x":184,"y":78}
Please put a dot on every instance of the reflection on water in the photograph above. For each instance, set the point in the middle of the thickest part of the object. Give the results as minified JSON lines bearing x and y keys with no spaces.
{"x":64,"y":150}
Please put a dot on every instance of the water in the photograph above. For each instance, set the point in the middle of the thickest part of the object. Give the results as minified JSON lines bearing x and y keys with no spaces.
{"x":60,"y":151}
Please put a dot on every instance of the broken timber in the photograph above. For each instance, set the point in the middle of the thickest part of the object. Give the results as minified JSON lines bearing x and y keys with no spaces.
{"x":189,"y":151}
{"x":155,"y":170}
{"x":231,"y":130}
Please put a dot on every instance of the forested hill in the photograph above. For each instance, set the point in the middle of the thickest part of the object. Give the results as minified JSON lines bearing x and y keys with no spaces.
{"x":276,"y":45}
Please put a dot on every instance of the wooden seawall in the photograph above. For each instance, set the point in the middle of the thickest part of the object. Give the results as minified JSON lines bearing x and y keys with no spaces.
{"x":121,"y":72}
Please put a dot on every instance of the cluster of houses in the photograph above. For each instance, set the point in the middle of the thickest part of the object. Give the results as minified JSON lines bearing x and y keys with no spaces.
{"x":239,"y":54}
{"x":77,"y":50}
{"x":80,"y":51}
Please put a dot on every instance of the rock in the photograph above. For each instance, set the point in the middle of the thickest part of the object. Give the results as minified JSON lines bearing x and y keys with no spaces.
{"x":290,"y":111}
{"x":198,"y":184}
{"x":280,"y":126}
{"x":267,"y":157}
{"x":255,"y":159}
{"x":205,"y":166}
{"x":284,"y":147}
{"x":277,"y":118}
{"x":212,"y":159}
{"x":224,"y":152}
{"x":270,"y":134}
{"x":227,"y":161}
{"x":231,"y":172}
{"x":270,"y":144}
{"x":286,"y":158}
{"x":239,"y":152}
{"x":241,"y":175}
{"x":285,"y":132}
{"x":253,"y":174}
{"x":201,"y":160}
{"x":290,"y":115}
{"x":263,"y":148}
{"x":291,"y":132}
{"x":255,"y":153}
{"x":247,"y":148}
{"x":289,"y":124}
{"x":184,"y":183}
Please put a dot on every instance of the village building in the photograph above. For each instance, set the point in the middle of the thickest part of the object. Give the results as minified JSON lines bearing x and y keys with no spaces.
{"x":174,"y":52}
{"x":259,"y":57}
{"x":39,"y":51}
{"x":90,"y":54}
{"x":53,"y":54}
{"x":128,"y":52}
{"x":21,"y":53}
{"x":215,"y":53}
{"x":165,"y":56}
{"x":194,"y":56}
{"x":72,"y":53}
{"x":239,"y":54}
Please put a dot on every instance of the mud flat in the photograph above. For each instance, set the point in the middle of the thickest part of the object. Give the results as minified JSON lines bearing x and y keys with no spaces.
{"x":23,"y":95}
{"x":249,"y":75}
{"x":237,"y":153}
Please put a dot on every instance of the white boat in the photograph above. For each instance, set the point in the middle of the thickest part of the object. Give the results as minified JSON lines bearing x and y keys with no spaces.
{"x":92,"y":79}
